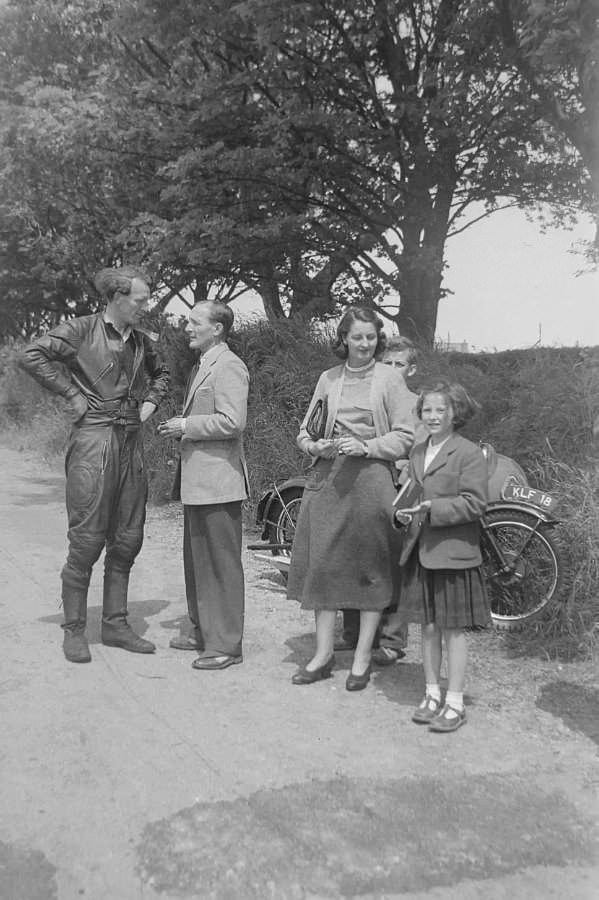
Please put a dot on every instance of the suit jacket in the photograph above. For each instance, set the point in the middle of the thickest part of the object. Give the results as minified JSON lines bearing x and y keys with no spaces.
{"x":456,"y":484}
{"x":213,"y":468}
{"x":392,"y":410}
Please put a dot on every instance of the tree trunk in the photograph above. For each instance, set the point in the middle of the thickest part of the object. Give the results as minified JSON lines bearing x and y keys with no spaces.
{"x":425,"y":233}
{"x":421,"y":287}
{"x":267,"y":286}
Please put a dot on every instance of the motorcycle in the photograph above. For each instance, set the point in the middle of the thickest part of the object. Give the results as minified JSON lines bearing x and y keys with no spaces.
{"x":522,"y":562}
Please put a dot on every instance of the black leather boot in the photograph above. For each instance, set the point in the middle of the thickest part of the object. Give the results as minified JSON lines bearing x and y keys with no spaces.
{"x":75,"y":646}
{"x":116,"y":631}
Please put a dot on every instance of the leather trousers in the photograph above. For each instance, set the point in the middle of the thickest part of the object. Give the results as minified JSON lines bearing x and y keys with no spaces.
{"x":106,"y":495}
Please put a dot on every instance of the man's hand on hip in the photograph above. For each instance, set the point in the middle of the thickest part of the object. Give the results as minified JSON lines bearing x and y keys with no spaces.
{"x":77,"y":407}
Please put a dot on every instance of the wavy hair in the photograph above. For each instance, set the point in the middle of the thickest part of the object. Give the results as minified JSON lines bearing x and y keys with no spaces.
{"x":357,"y":314}
{"x":462,"y":404}
{"x":109,"y":282}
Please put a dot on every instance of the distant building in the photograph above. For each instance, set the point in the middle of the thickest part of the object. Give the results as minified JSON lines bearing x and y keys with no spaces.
{"x":450,"y":346}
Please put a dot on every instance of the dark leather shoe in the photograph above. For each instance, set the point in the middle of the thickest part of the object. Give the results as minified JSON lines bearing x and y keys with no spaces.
{"x":216,"y":662}
{"x":184,"y":642}
{"x":449,"y":719}
{"x":357,"y":682}
{"x":426,"y":712}
{"x":387,"y":656}
{"x":309,"y":676}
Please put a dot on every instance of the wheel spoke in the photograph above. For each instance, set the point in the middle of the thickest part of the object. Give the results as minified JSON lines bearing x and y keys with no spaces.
{"x":522,"y":575}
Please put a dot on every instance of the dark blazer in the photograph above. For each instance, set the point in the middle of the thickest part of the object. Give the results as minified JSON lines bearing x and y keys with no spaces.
{"x":456,"y":484}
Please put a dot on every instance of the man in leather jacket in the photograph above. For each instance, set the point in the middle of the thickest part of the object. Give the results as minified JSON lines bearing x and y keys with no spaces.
{"x":110,"y":375}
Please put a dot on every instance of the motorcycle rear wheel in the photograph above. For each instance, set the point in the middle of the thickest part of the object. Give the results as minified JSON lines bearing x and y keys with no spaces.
{"x":535,"y":570}
{"x":282,"y":519}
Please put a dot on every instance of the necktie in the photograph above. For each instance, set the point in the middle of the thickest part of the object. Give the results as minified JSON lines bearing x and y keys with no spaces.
{"x":190,"y":380}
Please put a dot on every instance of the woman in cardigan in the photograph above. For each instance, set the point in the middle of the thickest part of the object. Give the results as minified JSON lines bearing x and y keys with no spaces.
{"x":345,"y":549}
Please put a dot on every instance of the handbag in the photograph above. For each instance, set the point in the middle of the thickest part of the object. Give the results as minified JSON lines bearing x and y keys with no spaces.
{"x":317,"y":420}
{"x":409,"y":496}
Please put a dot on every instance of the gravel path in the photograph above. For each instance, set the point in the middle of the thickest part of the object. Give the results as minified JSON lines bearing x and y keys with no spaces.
{"x":137,"y":777}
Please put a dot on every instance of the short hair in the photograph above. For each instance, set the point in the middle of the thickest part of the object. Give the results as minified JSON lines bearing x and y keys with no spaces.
{"x":109,"y":282}
{"x":220,"y":312}
{"x":400,"y":344}
{"x":462,"y":404}
{"x":357,"y":314}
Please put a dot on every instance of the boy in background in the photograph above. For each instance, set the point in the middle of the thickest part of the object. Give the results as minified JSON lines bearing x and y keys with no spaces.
{"x":392,"y":637}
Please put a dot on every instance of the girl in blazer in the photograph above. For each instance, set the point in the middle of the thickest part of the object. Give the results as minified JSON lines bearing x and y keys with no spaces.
{"x":443,"y":588}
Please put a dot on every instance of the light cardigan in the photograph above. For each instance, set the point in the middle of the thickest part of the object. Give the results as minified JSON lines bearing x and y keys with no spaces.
{"x":392,"y":411}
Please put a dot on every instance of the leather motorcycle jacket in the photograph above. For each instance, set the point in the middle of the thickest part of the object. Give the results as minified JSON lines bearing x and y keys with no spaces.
{"x":78,"y":357}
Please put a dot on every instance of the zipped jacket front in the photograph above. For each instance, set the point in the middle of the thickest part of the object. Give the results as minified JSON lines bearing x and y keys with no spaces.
{"x":76,"y":357}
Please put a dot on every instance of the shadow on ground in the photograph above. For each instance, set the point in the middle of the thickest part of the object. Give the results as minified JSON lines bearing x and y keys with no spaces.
{"x":138,"y":612}
{"x":50,"y":489}
{"x":350,"y":837}
{"x":576,"y":705}
{"x":25,"y":874}
{"x":401,"y":683}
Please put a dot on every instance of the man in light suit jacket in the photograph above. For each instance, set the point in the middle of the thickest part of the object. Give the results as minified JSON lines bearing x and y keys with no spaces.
{"x":213,"y":484}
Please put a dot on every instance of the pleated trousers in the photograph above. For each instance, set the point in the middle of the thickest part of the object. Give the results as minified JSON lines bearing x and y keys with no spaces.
{"x":214,"y":581}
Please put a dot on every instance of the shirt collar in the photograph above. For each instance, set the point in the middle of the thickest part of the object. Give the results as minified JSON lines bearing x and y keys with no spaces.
{"x":124,"y":335}
{"x":211,"y":354}
{"x":433,"y":449}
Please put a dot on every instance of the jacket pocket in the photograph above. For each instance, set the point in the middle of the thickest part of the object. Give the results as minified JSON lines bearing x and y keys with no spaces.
{"x":446,"y":485}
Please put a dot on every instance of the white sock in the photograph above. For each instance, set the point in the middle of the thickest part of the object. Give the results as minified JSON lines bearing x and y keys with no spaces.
{"x":455,"y":699}
{"x":434,"y":691}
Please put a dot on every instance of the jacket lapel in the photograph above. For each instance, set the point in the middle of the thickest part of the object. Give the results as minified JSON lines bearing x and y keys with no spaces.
{"x":441,"y":458}
{"x":200,"y":376}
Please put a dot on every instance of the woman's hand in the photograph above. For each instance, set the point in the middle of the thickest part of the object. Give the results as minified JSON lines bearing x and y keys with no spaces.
{"x":351,"y":446}
{"x":324,"y":448}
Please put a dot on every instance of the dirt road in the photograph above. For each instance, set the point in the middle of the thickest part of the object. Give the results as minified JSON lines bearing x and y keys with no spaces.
{"x":137,"y":777}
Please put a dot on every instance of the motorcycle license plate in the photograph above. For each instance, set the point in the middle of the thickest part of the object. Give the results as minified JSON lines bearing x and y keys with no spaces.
{"x":526,"y":494}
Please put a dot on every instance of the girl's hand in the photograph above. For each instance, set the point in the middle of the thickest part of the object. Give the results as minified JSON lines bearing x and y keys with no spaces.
{"x":414,"y":510}
{"x":324,"y":448}
{"x":351,"y":446}
{"x":405,"y":516}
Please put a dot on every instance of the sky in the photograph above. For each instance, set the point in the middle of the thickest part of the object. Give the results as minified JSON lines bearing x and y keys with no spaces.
{"x":513,"y":286}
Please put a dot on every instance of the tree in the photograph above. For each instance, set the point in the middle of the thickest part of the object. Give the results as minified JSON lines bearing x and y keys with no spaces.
{"x":317,"y":154}
{"x":554,"y":46}
{"x":327,"y":146}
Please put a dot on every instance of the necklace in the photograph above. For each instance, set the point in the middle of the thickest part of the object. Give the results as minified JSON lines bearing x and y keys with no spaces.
{"x":365,"y":368}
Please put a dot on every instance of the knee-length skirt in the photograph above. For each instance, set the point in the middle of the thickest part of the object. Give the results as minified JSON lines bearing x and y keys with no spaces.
{"x":449,"y":598}
{"x":345,"y":549}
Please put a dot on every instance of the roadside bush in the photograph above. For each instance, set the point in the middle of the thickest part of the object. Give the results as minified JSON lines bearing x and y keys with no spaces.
{"x":570,"y":627}
{"x":31,"y":419}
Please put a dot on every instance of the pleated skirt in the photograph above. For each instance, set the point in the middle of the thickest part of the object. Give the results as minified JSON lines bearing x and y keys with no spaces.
{"x":345,"y":549}
{"x":449,"y":598}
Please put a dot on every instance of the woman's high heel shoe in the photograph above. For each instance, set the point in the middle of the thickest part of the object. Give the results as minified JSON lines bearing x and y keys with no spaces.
{"x":309,"y":676}
{"x":357,"y":682}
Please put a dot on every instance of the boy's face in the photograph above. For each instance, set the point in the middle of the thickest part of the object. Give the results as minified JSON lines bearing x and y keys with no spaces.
{"x":399,"y":359}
